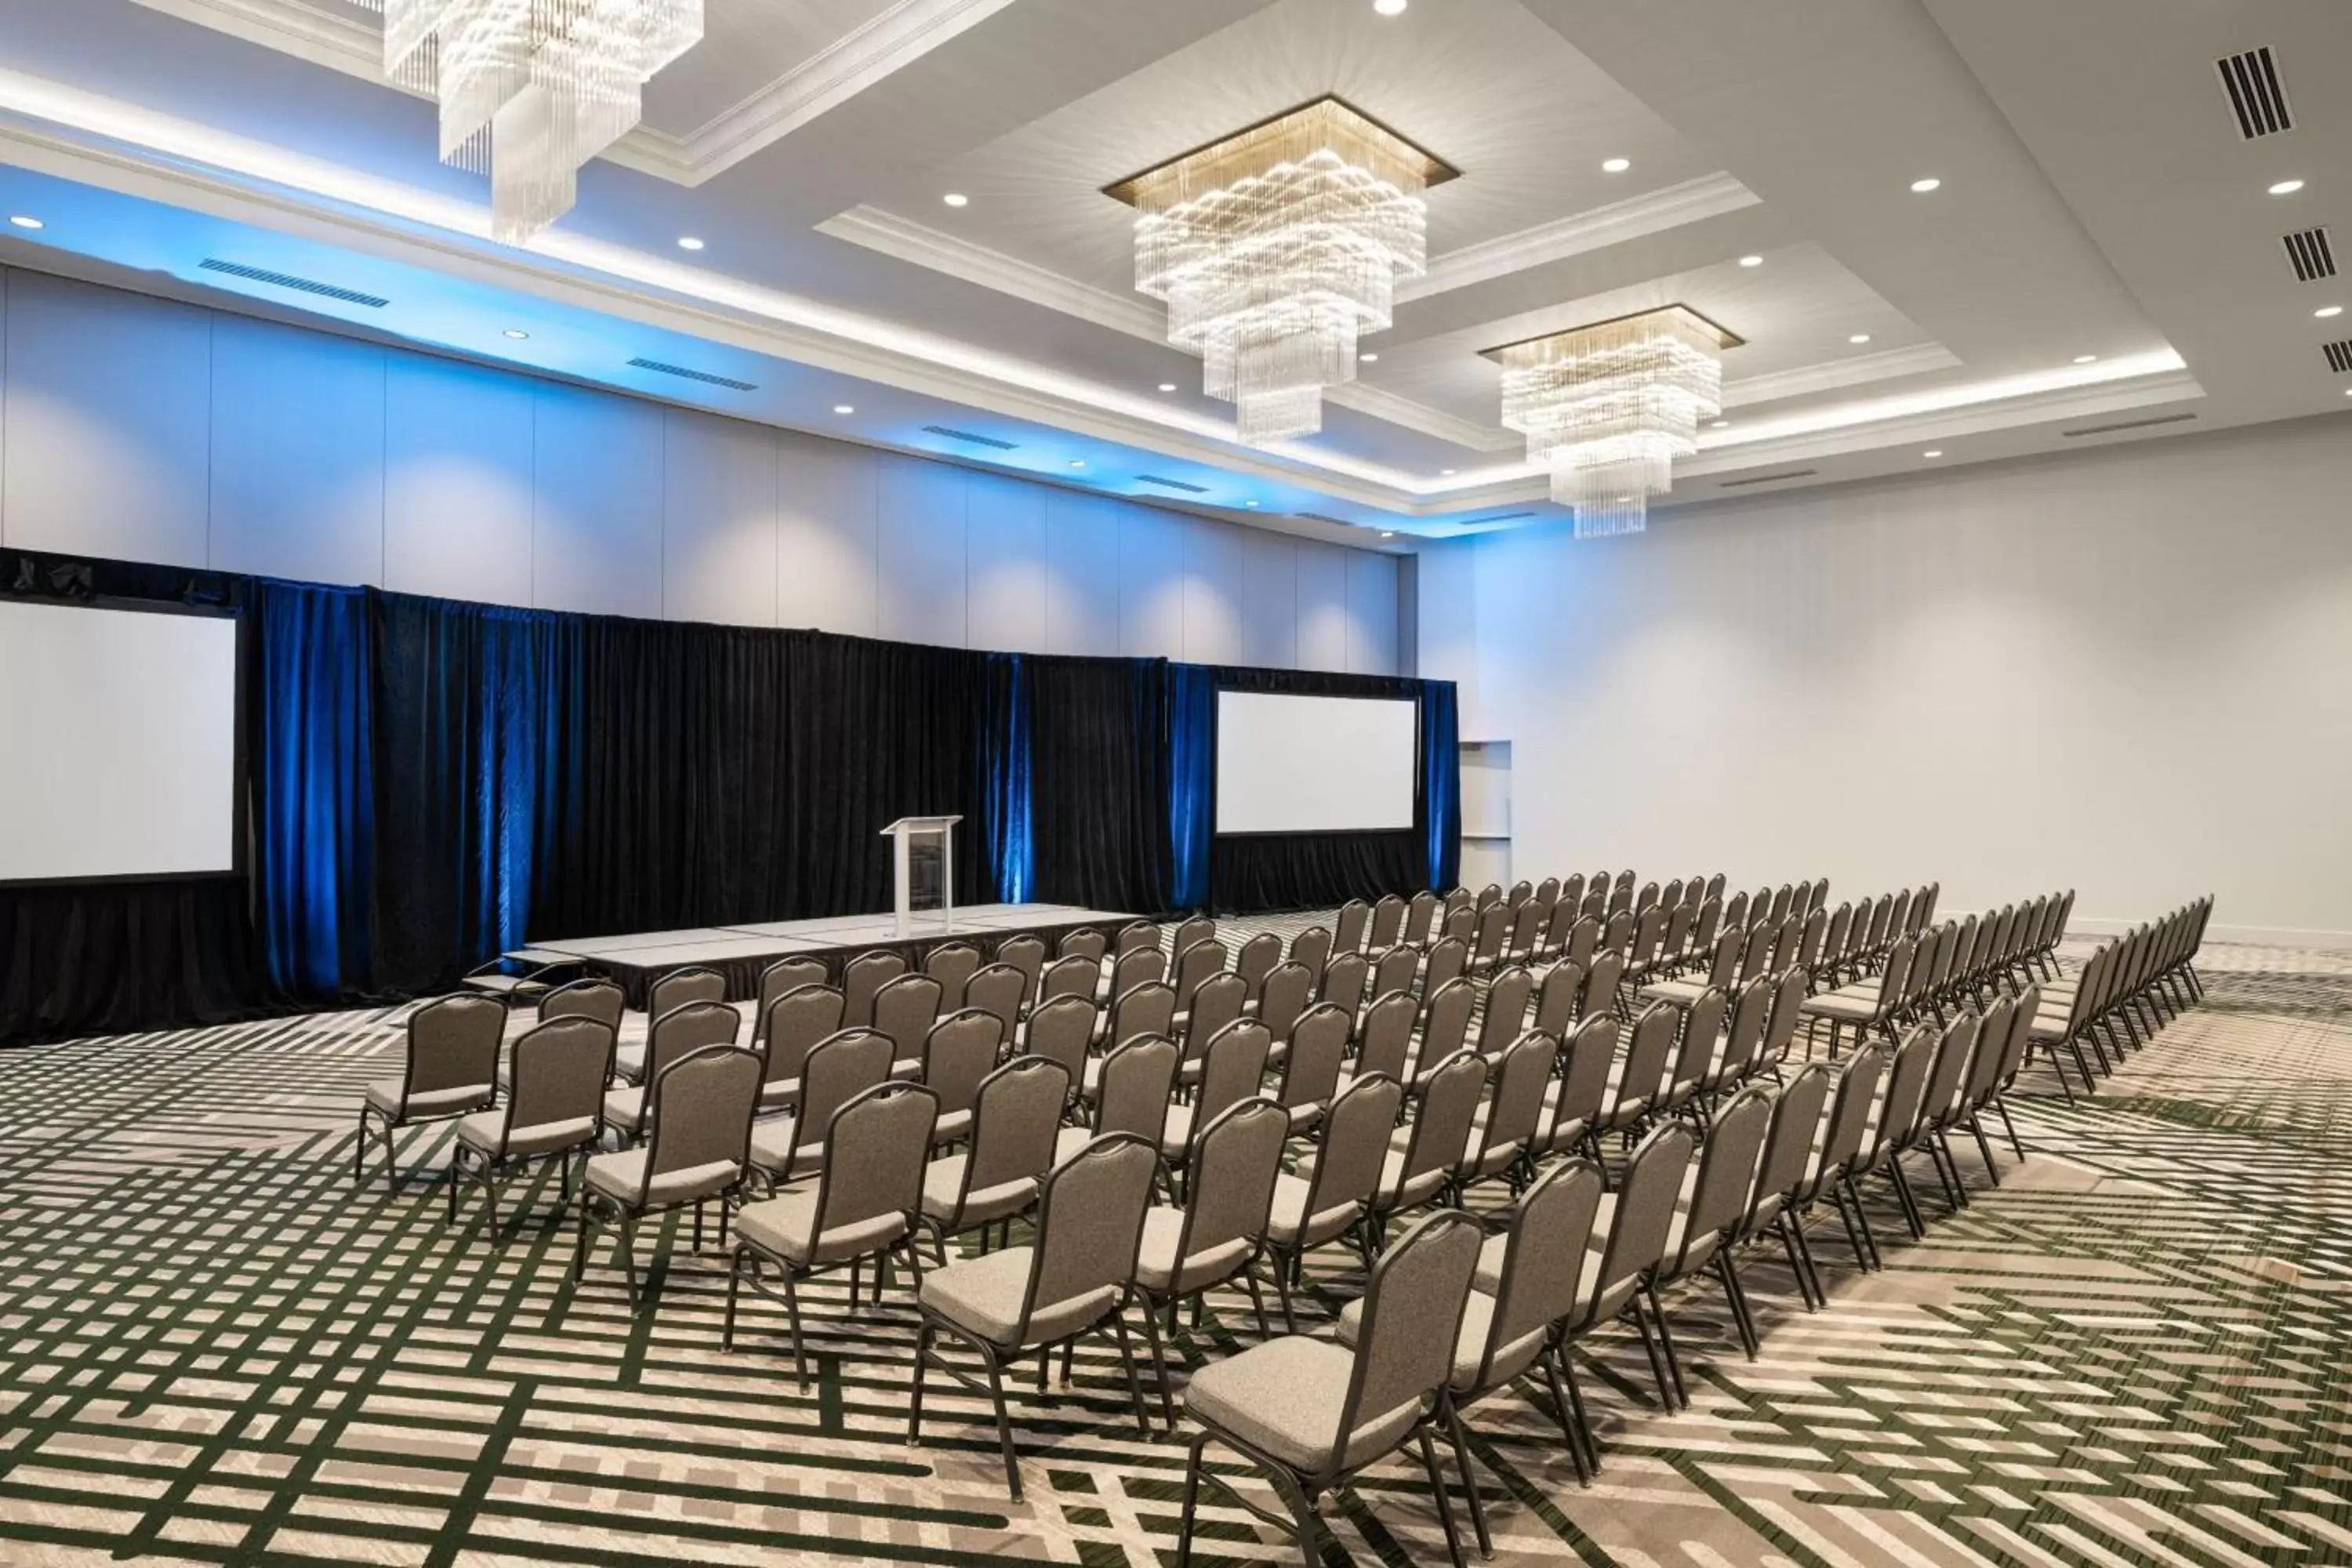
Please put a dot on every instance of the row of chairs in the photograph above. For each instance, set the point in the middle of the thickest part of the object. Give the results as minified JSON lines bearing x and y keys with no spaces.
{"x":2125,"y":990}
{"x":1929,"y":974}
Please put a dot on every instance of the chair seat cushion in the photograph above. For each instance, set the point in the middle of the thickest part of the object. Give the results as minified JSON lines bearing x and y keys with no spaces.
{"x":618,"y":1176}
{"x":384,"y":1096}
{"x":481,"y":1133}
{"x":1470,"y":1343}
{"x":983,"y":1296}
{"x":772,"y":1148}
{"x":625,"y":1108}
{"x":1155,"y":1265}
{"x":785,"y":1226}
{"x":1843,"y":1006}
{"x":1286,"y":1397}
{"x":943,"y":1180}
{"x":1288,"y":1221}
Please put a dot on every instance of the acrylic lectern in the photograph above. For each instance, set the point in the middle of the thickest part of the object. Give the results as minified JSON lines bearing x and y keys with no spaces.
{"x":923,"y":859}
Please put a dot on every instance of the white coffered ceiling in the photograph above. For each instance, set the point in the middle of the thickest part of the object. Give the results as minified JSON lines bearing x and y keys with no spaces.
{"x":2096,"y":201}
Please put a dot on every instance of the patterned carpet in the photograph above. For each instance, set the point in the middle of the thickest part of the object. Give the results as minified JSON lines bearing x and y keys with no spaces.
{"x":2137,"y":1350}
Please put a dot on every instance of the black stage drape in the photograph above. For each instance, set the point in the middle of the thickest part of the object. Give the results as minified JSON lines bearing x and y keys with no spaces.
{"x":1098,"y":781}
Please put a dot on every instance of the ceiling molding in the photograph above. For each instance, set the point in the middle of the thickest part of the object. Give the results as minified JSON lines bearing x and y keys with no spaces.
{"x":1857,"y":370}
{"x":1580,"y":234}
{"x":1365,"y":398}
{"x":842,"y":69}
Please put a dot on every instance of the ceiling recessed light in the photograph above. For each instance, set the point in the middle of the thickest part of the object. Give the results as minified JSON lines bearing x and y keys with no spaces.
{"x":843,"y":408}
{"x":1389,"y":7}
{"x":1921,"y":187}
{"x":1166,"y":386}
{"x":1448,"y":472}
{"x":2085,"y":358}
{"x":1751,"y":261}
{"x":687,"y":242}
{"x":2286,"y":187}
{"x":1249,"y":503}
{"x":1367,"y":359}
{"x":517,"y":333}
{"x":1388,"y":534}
{"x":1077,"y":462}
{"x":1719,"y":425}
{"x":26,"y":220}
{"x":1937,"y":452}
{"x":2326,"y":311}
{"x":1859,"y":338}
{"x":957,"y":199}
{"x":1616,"y":165}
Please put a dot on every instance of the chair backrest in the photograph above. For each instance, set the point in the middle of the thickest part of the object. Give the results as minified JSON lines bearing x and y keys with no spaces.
{"x":1617,"y":930}
{"x":1851,"y":1102}
{"x":1025,"y":953}
{"x":1136,"y":936}
{"x":781,"y":978}
{"x":1709,"y":921}
{"x":1906,"y":1090}
{"x":999,"y":988}
{"x":1584,"y":1079}
{"x":1354,"y":1143}
{"x":1724,"y":969}
{"x":794,"y":1021}
{"x":1312,"y":947}
{"x":1647,"y":899}
{"x":1678,"y":930}
{"x":1084,"y":943}
{"x":904,"y":1009}
{"x":1446,"y":1028}
{"x":1621,"y":897}
{"x":1735,"y":910}
{"x":1952,"y":1053}
{"x":1788,"y":1142}
{"x":1809,"y":941}
{"x":1494,"y":925}
{"x":1515,"y":1100}
{"x":1256,"y":960}
{"x":1646,"y":1063}
{"x":1506,"y":1009}
{"x":1984,"y":1067}
{"x":1061,"y":1030}
{"x":1895,"y":976}
{"x":1198,"y":928}
{"x":1216,"y":1002}
{"x":1014,"y":1117}
{"x":1583,"y":942}
{"x":1405,"y":1342}
{"x":1448,"y":957}
{"x":2020,"y":1034}
{"x":680,"y":986}
{"x":1789,"y":994}
{"x":1521,"y":892}
{"x":1229,"y":1190}
{"x":1386,"y":922}
{"x":860,"y":979}
{"x":1344,"y":979}
{"x":1283,"y":996}
{"x":1233,"y":1065}
{"x":557,"y":1076}
{"x":1319,"y":1049}
{"x":1132,"y":1096}
{"x":1836,"y":935}
{"x":1558,"y":999}
{"x":839,"y":1067}
{"x":1090,"y":1212}
{"x":1489,"y":895}
{"x":1727,"y":1162}
{"x":1749,"y":1014}
{"x":1649,"y":929}
{"x":598,"y":999}
{"x":1756,"y":953}
{"x":1781,"y":901}
{"x":1571,"y":896}
{"x":1396,"y":970}
{"x":1420,"y":912}
{"x":1074,"y":976}
{"x":700,"y":1113}
{"x":1146,"y":1009}
{"x":1446,"y":1104}
{"x":1550,"y":1227}
{"x":1386,"y":1039}
{"x":453,"y":1043}
{"x":877,"y":1145}
{"x":1702,"y":1026}
{"x":1135,"y":967}
{"x":1644,"y":1211}
{"x":1607,"y":967}
{"x":690,"y":1026}
{"x":952,"y":965}
{"x":961,"y":1051}
{"x":1195,"y":966}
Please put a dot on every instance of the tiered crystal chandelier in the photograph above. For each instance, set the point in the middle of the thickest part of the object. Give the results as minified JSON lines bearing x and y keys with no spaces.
{"x":1608,"y":407}
{"x":1277,"y":248}
{"x":531,"y":90}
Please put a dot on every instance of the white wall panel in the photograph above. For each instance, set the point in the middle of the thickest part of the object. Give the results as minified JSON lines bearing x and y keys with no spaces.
{"x":1004,"y":531}
{"x":1371,"y":613}
{"x":924,"y":548}
{"x":827,"y":559}
{"x":1216,"y":570}
{"x":718,"y":520}
{"x":1150,"y":582}
{"x":1322,"y":606}
{"x":110,"y":421}
{"x":457,"y":481}
{"x":298,"y":453}
{"x":597,"y":519}
{"x":1269,"y":598}
{"x":1082,"y":597}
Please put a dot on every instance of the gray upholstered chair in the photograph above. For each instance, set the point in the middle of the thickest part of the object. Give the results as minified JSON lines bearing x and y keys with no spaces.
{"x":1131,"y":1093}
{"x":1347,"y":929}
{"x":1001,"y":989}
{"x":1308,"y":1413}
{"x":1077,"y":1278}
{"x":1136,"y":936}
{"x":864,"y":1205}
{"x":1710,"y":1212}
{"x":961,"y":1052}
{"x":1312,"y":1066}
{"x":838,"y":1068}
{"x":1013,"y":1120}
{"x":1195,"y":966}
{"x":697,"y":1148}
{"x":1398,"y":969}
{"x":450,"y":1069}
{"x":781,"y":979}
{"x":1149,"y":1008}
{"x":905,"y":1007}
{"x":1384,"y":1043}
{"x":1641,"y":1074}
{"x":1344,"y":981}
{"x":952,"y":965}
{"x":1194,"y":929}
{"x":1061,"y":1031}
{"x":553,"y":1110}
{"x":1231,"y":1066}
{"x":794,"y":1021}
{"x":1788,"y":1150}
{"x":1084,"y":943}
{"x":679,"y":986}
{"x":1426,"y":1160}
{"x":1332,"y":1194}
{"x":861,"y":977}
{"x":1446,"y":1024}
{"x":1025,"y":953}
{"x":1573,"y":1105}
{"x":1506,"y":1015}
{"x":1311,"y":947}
{"x":687,"y":1027}
{"x":1216,"y":1004}
{"x":1254,"y":962}
{"x":1503,"y":1141}
{"x":1074,"y":975}
{"x":1387,"y":924}
{"x":1283,"y":996}
{"x":1134,"y":967}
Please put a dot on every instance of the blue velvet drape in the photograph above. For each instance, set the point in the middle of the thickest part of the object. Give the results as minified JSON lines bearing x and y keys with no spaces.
{"x":1441,"y":780}
{"x":1192,"y":783}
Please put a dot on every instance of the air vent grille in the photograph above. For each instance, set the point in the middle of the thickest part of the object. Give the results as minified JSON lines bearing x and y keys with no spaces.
{"x":299,"y":285}
{"x":2310,"y":255}
{"x":701,"y":376}
{"x":1768,"y":478}
{"x":1324,"y":517}
{"x":1171,"y":484}
{"x":2339,"y":356}
{"x":2129,"y":424}
{"x":2256,"y":94}
{"x":969,"y":438}
{"x":1498,"y":517}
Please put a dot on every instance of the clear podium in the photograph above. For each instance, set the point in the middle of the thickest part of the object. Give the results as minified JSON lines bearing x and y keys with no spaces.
{"x":923,"y":861}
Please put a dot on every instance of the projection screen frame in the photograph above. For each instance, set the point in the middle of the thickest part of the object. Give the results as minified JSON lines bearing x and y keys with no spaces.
{"x":240,"y":772}
{"x":1420,"y":798}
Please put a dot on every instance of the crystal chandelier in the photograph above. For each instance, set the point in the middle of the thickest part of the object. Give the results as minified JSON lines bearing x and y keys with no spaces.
{"x":1608,"y":407}
{"x":1277,"y":248}
{"x":531,"y":90}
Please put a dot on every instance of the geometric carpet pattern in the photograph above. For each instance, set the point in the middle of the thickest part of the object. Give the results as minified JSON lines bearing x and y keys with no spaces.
{"x":214,"y":1348}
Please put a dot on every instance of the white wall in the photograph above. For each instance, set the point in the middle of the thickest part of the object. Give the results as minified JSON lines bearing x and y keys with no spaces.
{"x":145,"y":429}
{"x":2127,"y":671}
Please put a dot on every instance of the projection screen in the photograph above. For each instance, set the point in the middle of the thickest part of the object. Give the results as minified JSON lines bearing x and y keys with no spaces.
{"x":1314,"y":764}
{"x":120,"y":758}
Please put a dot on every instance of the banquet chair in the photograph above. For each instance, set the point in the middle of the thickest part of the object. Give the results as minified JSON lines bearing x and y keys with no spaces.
{"x":1015,"y":1117}
{"x":1218,"y":1232}
{"x":861,"y":978}
{"x":687,"y":1027}
{"x":697,"y":1148}
{"x":837,"y":1068}
{"x":553,"y":1110}
{"x":793,"y":1022}
{"x":449,"y":1069}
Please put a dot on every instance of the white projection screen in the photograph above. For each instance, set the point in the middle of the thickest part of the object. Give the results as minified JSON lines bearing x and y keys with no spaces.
{"x":120,"y":758}
{"x":1314,"y":764}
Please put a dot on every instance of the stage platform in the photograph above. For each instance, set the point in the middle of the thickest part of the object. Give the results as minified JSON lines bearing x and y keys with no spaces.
{"x":742,"y":952}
